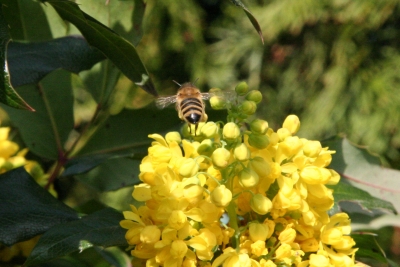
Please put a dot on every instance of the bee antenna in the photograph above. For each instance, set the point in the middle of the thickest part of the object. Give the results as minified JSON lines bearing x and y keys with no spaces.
{"x":176,"y":82}
{"x":195,"y":81}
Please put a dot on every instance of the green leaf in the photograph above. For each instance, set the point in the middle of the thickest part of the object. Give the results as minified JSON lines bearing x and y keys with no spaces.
{"x":46,"y":130}
{"x":26,"y":209}
{"x":84,"y":164}
{"x":124,"y":172}
{"x":30,"y":62}
{"x":369,"y":249}
{"x":362,"y":170}
{"x":98,"y":229}
{"x":8,"y":95}
{"x":346,"y":192}
{"x":114,"y":256}
{"x":251,"y":17}
{"x":122,"y":53}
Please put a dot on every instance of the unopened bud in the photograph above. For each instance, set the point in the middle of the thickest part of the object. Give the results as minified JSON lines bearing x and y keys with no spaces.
{"x":221,"y":196}
{"x":241,"y":152}
{"x":248,"y":178}
{"x":210,"y":129}
{"x":260,"y":204}
{"x":248,"y":107}
{"x":292,"y":123}
{"x":206,"y":147}
{"x":258,"y":231}
{"x":242,"y":88}
{"x":189,"y":168}
{"x":173,"y":137}
{"x":218,"y":100}
{"x":258,"y":141}
{"x":255,"y":96}
{"x":259,"y":126}
{"x":231,"y":131}
{"x":260,"y":166}
{"x":220,"y":157}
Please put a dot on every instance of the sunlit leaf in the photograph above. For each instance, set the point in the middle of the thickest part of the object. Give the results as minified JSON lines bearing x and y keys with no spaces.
{"x":46,"y":130}
{"x":122,"y":53}
{"x":362,"y":170}
{"x":8,"y":95}
{"x":26,"y":209}
{"x":98,"y":229}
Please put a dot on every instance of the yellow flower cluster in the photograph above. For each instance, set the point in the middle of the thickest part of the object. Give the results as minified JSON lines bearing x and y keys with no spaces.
{"x":237,"y":197}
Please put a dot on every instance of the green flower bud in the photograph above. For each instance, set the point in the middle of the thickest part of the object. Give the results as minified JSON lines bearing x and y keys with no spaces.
{"x":260,"y":204}
{"x":189,"y":168}
{"x":258,"y":231}
{"x":292,"y":123}
{"x":260,"y":166}
{"x":241,"y":152}
{"x":259,"y":126}
{"x":258,"y":141}
{"x":206,"y":147}
{"x":242,"y":88}
{"x":185,"y":131}
{"x":173,"y":136}
{"x":255,"y":96}
{"x":218,"y":101}
{"x":248,"y":107}
{"x":221,"y":196}
{"x":248,"y":178}
{"x":220,"y":157}
{"x":231,"y":131}
{"x":210,"y":129}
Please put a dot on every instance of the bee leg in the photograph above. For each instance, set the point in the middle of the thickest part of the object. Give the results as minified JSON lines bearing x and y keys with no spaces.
{"x":190,"y":128}
{"x":195,"y":128}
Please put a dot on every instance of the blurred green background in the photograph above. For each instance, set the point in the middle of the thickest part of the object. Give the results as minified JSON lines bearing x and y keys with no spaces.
{"x":333,"y":63}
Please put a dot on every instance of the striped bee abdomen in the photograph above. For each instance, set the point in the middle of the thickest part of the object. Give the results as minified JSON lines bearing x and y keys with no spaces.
{"x":192,"y":110}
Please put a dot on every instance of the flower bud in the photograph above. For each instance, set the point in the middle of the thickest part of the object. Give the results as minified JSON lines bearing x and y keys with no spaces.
{"x":221,"y":196}
{"x":248,"y":178}
{"x":259,"y":126}
{"x":188,"y":168}
{"x":260,"y":166}
{"x":210,"y":129}
{"x":231,"y":131}
{"x":258,"y":231}
{"x":312,"y":148}
{"x":220,"y":157}
{"x":173,"y":136}
{"x":242,"y":88}
{"x":260,"y":204}
{"x":241,"y":152}
{"x":248,"y":107}
{"x":255,"y":96}
{"x":206,"y":147}
{"x":218,"y":100}
{"x":292,"y":123}
{"x":258,"y":141}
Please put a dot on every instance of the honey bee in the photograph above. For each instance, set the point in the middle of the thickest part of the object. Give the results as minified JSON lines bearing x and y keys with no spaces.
{"x":189,"y":104}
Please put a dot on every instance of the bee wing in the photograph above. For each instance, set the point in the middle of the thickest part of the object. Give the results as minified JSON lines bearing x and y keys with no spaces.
{"x":206,"y":96}
{"x":162,"y":102}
